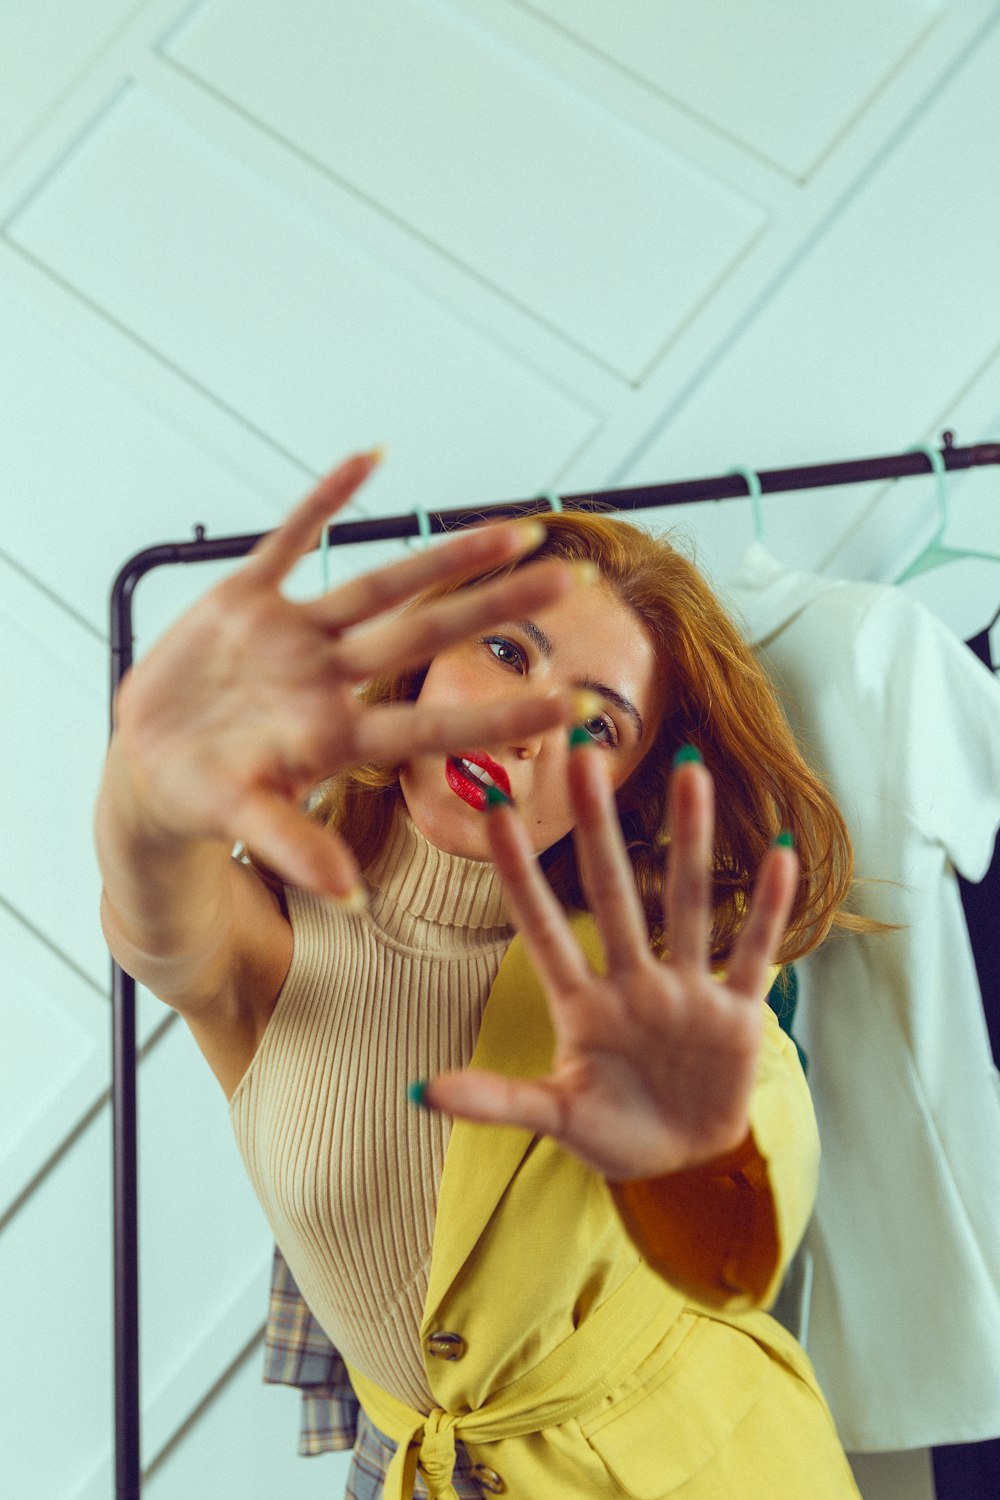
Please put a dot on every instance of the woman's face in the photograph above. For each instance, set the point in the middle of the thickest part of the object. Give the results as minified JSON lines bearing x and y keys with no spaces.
{"x":590,"y":640}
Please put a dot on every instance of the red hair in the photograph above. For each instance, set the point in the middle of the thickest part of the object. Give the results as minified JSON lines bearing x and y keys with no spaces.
{"x":720,"y":700}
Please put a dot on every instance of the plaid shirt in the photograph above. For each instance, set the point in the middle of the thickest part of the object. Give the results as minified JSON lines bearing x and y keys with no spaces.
{"x":298,"y":1352}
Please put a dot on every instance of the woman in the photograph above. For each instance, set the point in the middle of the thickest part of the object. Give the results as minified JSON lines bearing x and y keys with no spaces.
{"x":564,"y":1305}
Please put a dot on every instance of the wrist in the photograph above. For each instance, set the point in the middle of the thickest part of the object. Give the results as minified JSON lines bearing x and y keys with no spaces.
{"x":130,"y":804}
{"x":725,"y":1164}
{"x":728,"y":1162}
{"x":158,"y":879}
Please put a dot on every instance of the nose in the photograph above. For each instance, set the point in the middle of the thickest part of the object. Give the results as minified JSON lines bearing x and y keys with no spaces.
{"x":527,"y":746}
{"x":530,"y":746}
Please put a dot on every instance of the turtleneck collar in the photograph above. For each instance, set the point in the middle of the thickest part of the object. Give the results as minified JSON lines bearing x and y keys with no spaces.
{"x":412,"y":878}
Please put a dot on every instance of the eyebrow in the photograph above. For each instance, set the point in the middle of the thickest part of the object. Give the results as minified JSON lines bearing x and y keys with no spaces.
{"x":544,"y":644}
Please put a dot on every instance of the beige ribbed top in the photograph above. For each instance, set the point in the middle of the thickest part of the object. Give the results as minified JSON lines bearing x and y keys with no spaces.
{"x":347,"y":1170}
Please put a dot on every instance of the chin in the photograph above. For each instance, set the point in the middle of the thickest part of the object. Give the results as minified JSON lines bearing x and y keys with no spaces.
{"x":453,"y":831}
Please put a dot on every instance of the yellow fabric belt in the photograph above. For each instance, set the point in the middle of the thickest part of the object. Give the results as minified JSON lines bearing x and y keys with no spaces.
{"x":575,"y":1377}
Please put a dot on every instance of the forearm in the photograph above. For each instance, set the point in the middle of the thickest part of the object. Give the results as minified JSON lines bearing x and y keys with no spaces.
{"x":167,"y":902}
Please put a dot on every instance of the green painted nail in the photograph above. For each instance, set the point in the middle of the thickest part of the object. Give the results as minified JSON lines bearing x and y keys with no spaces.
{"x":496,"y":798}
{"x":579,"y":736}
{"x":417,"y":1092}
{"x":785,"y":839}
{"x":688,"y":753}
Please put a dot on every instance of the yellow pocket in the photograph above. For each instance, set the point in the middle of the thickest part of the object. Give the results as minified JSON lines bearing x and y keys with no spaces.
{"x":661,"y":1436}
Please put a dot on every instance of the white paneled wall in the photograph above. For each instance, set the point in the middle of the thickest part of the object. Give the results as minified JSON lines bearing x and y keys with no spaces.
{"x":475,"y":144}
{"x":525,"y":243}
{"x":785,"y":81}
{"x":46,"y":47}
{"x":149,"y":221}
{"x":864,"y":324}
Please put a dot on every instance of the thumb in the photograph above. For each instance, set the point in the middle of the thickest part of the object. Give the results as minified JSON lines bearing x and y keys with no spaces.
{"x":492,"y":1099}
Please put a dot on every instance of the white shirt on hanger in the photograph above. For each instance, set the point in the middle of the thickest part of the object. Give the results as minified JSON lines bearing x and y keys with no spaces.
{"x":903,"y":723}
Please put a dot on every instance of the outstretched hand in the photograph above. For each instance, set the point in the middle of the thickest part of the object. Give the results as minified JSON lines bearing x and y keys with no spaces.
{"x":250,"y":700}
{"x":655,"y":1059}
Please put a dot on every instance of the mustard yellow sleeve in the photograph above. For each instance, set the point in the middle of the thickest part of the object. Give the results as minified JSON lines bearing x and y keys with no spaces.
{"x":724,"y":1233}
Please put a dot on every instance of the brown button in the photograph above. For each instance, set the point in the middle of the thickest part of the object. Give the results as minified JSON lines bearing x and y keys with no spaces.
{"x":489,"y":1479}
{"x":446,"y":1345}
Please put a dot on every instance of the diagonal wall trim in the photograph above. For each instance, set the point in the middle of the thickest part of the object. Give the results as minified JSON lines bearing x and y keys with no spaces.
{"x":53,"y":597}
{"x":85,"y":1120}
{"x":607,"y":59}
{"x":70,"y":86}
{"x":188,"y":1390}
{"x":68,"y":1141}
{"x":235,"y":1365}
{"x":189,"y":1393}
{"x":47,"y":942}
{"x":231,"y":412}
{"x":436,"y":246}
{"x":60,"y":159}
{"x":578,"y":37}
{"x":757,"y":305}
{"x":982,"y":418}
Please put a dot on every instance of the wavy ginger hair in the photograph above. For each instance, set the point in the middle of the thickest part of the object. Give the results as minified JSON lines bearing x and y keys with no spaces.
{"x":719,"y":699}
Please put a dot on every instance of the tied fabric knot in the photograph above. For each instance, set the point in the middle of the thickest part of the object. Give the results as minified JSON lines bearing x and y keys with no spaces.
{"x":574,"y":1379}
{"x":437,"y":1454}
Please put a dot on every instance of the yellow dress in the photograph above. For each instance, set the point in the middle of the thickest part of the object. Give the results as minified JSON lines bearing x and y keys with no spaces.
{"x":595,"y":1340}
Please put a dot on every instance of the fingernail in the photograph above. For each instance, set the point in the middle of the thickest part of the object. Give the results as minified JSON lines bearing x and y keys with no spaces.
{"x":376,"y":455}
{"x":585,"y":571}
{"x":686,"y":754}
{"x":496,"y":798}
{"x":579,"y":736}
{"x":351,"y":901}
{"x":530,"y":534}
{"x":785,"y":839}
{"x":586,"y":705}
{"x":417,"y":1094}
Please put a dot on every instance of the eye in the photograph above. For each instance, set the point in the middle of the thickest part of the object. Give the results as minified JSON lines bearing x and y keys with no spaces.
{"x":506,"y":651}
{"x":601,"y":729}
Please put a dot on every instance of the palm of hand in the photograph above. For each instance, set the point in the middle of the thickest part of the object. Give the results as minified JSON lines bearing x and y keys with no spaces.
{"x":262,"y":712}
{"x":655,"y":1060}
{"x":654,"y":1073}
{"x":251,"y":699}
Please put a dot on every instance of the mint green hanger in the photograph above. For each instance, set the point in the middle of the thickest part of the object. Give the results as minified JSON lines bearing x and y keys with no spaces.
{"x":423,"y":525}
{"x":324,"y":556}
{"x":754,"y":490}
{"x":936,"y":553}
{"x":423,"y":537}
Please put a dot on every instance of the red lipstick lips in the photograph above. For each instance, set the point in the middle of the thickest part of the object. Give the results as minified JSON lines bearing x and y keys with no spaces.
{"x":461,"y":774}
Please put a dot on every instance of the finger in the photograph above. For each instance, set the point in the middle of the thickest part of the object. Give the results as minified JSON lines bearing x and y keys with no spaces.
{"x":766,"y":921}
{"x":687,"y":892}
{"x":492,"y":1099}
{"x":278,"y":552}
{"x":394,"y":734}
{"x":557,"y":956}
{"x":603,"y":862}
{"x":298,"y":849}
{"x":475,"y":551}
{"x":414,"y":637}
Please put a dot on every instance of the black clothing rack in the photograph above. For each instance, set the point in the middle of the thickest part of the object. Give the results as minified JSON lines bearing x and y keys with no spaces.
{"x":128,"y":1471}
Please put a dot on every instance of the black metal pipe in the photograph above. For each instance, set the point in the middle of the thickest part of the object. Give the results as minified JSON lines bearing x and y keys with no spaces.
{"x":345,"y":533}
{"x":643,"y":497}
{"x":128,"y":1458}
{"x":125,"y":1133}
